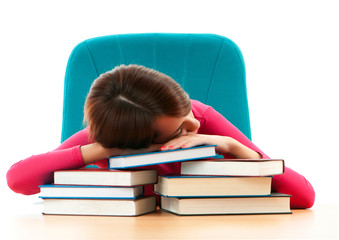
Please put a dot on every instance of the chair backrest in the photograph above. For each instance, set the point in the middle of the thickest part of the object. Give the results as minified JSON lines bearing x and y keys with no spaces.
{"x":209,"y":67}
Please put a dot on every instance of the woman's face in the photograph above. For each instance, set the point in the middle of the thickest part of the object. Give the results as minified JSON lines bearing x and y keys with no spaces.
{"x":167,"y":128}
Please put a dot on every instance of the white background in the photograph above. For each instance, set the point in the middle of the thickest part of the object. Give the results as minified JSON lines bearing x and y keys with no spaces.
{"x":291,"y":51}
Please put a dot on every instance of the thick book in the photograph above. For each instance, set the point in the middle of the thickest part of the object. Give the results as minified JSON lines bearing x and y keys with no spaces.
{"x":86,"y":191}
{"x":100,"y":207}
{"x":234,"y":167}
{"x":105,"y":177}
{"x":160,"y":157}
{"x":274,"y":204}
{"x":207,"y":186}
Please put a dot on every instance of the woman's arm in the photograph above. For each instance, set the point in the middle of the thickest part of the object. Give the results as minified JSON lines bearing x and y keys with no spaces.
{"x":293,"y":183}
{"x":241,"y":147}
{"x":27,"y":175}
{"x":224,"y":145}
{"x":290,"y":182}
{"x":94,"y":152}
{"x":217,"y":130}
{"x":77,"y":151}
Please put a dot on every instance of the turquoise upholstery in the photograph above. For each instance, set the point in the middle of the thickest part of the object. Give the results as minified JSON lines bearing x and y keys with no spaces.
{"x":209,"y":67}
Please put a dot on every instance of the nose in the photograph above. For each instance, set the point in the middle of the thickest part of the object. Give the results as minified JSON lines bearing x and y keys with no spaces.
{"x":190,"y":125}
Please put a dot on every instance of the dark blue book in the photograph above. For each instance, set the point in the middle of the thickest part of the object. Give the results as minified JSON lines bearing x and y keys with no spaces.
{"x":160,"y":157}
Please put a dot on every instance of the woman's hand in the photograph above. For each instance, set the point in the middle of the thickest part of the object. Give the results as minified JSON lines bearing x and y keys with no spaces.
{"x":94,"y":152}
{"x":129,"y":151}
{"x":224,"y":144}
{"x":191,"y":140}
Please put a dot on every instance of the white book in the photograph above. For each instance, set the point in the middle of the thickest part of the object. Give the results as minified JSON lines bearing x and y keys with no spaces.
{"x":234,"y":167}
{"x":208,"y":186}
{"x":100,"y":207}
{"x":105,"y":177}
{"x":276,"y":203}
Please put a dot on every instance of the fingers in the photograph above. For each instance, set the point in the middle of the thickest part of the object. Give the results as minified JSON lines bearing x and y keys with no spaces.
{"x":186,"y":141}
{"x":129,"y":151}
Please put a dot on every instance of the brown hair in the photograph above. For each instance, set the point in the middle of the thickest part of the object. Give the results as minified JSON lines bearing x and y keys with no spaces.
{"x":122,"y":104}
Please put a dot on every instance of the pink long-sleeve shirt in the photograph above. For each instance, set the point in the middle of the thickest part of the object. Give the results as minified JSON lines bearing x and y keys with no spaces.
{"x":28,"y":174}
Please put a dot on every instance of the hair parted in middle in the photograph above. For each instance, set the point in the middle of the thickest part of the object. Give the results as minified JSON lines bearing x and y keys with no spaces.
{"x":123,"y":103}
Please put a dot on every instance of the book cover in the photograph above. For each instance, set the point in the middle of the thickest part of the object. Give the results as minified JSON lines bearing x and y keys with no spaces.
{"x":105,"y":177}
{"x":87,"y":191}
{"x":276,"y":203}
{"x":160,"y":157}
{"x":207,"y":186}
{"x":234,"y":167}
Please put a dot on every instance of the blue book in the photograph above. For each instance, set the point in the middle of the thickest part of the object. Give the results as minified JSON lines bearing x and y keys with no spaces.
{"x":89,"y":192}
{"x":160,"y":157}
{"x":212,"y":186}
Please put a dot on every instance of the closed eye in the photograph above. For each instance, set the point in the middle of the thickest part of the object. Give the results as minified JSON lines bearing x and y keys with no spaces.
{"x":173,"y":136}
{"x":178,"y":134}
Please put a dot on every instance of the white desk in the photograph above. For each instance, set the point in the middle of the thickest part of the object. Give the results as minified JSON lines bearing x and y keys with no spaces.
{"x":27,"y":222}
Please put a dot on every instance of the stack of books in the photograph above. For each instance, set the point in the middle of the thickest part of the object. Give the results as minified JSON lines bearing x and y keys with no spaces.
{"x":204,"y":187}
{"x":102,"y":192}
{"x":214,"y":186}
{"x":223,"y":187}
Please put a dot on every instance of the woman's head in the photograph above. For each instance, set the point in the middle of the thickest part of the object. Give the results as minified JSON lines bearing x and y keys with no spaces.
{"x":123,"y":103}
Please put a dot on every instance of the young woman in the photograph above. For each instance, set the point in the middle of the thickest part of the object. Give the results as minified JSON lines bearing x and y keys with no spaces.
{"x":133,"y":109}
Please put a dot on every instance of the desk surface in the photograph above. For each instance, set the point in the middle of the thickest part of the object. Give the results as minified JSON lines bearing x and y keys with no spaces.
{"x":27,"y":222}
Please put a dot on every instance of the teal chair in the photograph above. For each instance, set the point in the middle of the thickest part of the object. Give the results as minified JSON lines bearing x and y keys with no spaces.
{"x":209,"y":67}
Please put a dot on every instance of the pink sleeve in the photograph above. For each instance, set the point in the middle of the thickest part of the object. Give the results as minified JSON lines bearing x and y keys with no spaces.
{"x":293,"y":183}
{"x":214,"y":123}
{"x":27,"y":175}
